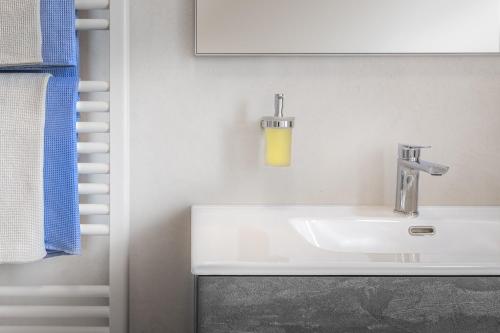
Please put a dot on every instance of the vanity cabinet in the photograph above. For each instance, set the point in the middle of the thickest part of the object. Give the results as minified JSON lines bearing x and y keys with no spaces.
{"x":294,"y":304}
{"x":305,"y":269}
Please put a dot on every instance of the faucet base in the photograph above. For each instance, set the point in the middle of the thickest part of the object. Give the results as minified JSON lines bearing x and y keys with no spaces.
{"x":408,"y":214}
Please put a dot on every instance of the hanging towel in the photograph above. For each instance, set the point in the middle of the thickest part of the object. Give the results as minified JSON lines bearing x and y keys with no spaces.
{"x":20,"y":32}
{"x":22,"y":120}
{"x":51,"y":32}
{"x":62,"y":217}
{"x":59,"y":37}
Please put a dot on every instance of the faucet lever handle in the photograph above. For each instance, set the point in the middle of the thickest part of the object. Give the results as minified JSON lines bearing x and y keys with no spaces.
{"x":410,"y":152}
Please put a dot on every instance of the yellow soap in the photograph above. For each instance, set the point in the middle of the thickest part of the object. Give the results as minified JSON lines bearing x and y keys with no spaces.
{"x":278,"y":146}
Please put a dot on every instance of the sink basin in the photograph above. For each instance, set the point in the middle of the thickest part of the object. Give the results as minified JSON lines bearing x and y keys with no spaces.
{"x":342,"y":240}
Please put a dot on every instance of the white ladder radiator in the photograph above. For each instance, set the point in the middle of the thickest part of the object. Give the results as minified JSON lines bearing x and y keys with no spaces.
{"x":68,"y":308}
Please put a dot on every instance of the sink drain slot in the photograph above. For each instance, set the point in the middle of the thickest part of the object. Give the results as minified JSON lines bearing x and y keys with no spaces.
{"x":422,"y":231}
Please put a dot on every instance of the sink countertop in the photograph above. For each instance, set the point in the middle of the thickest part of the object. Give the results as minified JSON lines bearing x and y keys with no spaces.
{"x":343,"y":240}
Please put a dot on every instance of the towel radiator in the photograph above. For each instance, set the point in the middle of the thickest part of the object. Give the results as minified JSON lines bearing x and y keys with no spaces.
{"x":90,"y":308}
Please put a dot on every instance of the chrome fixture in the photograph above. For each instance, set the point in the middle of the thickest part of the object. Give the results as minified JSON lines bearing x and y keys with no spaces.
{"x":409,"y":167}
{"x":279,"y":120}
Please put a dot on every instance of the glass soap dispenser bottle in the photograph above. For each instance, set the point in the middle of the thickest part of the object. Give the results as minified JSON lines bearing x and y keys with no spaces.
{"x":278,"y":135}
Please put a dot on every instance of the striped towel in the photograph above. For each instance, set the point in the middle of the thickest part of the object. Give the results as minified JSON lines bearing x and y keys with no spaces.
{"x":62,"y":218}
{"x":37,"y":34}
{"x":22,"y":118}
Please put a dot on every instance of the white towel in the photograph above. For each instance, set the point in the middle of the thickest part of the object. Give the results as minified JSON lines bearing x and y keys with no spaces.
{"x":20,"y":32}
{"x":22,"y":121}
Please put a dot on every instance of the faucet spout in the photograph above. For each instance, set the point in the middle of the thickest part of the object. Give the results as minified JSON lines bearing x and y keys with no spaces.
{"x":434,"y":169}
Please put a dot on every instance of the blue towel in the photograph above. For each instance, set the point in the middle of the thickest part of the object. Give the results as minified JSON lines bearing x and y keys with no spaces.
{"x":62,"y":217}
{"x":59,"y":42}
{"x":60,"y":45}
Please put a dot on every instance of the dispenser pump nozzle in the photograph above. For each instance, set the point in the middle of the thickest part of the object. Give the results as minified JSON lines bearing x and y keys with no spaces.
{"x":278,"y":120}
{"x":279,"y":103}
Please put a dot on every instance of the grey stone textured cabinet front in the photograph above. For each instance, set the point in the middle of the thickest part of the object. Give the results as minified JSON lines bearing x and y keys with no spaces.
{"x":348,"y":304}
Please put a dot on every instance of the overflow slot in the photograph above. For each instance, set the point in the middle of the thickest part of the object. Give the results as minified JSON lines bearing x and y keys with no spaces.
{"x":422,"y":231}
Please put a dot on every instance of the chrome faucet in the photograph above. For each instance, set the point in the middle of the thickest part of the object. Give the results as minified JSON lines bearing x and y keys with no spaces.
{"x":409,"y":167}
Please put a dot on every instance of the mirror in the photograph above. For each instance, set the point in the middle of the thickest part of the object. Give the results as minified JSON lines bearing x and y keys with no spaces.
{"x":246,"y":27}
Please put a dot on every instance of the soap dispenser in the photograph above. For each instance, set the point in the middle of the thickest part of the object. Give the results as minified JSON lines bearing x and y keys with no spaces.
{"x":278,"y":135}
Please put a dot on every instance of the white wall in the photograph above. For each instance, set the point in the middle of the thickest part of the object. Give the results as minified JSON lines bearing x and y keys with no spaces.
{"x":196,"y":139}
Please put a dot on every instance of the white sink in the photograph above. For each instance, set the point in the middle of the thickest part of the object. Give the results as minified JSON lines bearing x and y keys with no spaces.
{"x":335,"y":240}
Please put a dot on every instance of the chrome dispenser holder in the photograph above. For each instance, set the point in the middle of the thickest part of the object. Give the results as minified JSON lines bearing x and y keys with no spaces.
{"x":279,"y":120}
